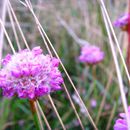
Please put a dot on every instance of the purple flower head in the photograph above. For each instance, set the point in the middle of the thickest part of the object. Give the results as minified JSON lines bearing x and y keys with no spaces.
{"x":123,"y":22}
{"x":30,"y":74}
{"x":91,"y":54}
{"x":121,"y":123}
{"x":93,"y":103}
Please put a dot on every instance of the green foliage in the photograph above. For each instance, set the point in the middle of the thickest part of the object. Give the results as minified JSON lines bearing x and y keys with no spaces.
{"x":15,"y":114}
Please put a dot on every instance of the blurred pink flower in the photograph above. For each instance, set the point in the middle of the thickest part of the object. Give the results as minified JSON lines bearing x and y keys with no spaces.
{"x":30,"y":74}
{"x":93,"y":103}
{"x":121,"y":123}
{"x":122,"y":22}
{"x":91,"y":54}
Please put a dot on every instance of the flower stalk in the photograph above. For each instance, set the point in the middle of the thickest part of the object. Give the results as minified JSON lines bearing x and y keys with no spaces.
{"x":36,"y":115}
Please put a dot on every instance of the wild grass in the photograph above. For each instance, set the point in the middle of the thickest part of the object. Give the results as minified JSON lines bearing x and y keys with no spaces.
{"x":61,"y":28}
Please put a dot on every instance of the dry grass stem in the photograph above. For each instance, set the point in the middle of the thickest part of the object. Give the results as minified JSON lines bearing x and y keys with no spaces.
{"x":70,"y":31}
{"x":3,"y":19}
{"x":16,"y":20}
{"x":7,"y":36}
{"x":104,"y":97}
{"x":28,"y":48}
{"x":11,"y":45}
{"x":114,"y":35}
{"x":39,"y":116}
{"x":43,"y":115}
{"x":121,"y":86}
{"x":53,"y":105}
{"x":45,"y":35}
{"x":14,"y":29}
{"x":111,"y":117}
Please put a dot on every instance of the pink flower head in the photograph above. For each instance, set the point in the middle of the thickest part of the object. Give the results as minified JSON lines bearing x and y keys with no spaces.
{"x":30,"y":74}
{"x":93,"y":103}
{"x":121,"y":123}
{"x":91,"y":54}
{"x":123,"y":22}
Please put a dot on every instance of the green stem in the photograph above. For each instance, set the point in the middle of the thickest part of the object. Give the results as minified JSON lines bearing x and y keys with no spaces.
{"x":35,"y":115}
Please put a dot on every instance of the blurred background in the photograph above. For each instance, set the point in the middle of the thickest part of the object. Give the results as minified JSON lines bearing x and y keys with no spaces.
{"x":69,"y":24}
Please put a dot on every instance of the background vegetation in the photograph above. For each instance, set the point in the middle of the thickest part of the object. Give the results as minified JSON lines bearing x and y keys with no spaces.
{"x":96,"y":84}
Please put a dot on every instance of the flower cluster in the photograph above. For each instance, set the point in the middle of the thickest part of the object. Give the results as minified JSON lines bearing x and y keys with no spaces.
{"x":91,"y":54}
{"x":30,"y":74}
{"x":123,"y":22}
{"x":121,"y":123}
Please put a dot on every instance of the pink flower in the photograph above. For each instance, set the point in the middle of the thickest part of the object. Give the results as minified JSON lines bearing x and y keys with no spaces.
{"x":30,"y":74}
{"x":122,"y":22}
{"x":91,"y":54}
{"x":121,"y":123}
{"x":93,"y":103}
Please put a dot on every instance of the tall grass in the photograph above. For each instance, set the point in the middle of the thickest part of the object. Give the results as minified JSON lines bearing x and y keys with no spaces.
{"x":38,"y":23}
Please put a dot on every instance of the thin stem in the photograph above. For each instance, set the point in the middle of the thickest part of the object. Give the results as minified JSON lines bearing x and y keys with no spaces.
{"x":37,"y":12}
{"x":53,"y":105}
{"x":45,"y":35}
{"x":111,"y":117}
{"x":63,"y":83}
{"x":72,"y":104}
{"x":90,"y":118}
{"x":36,"y":115}
{"x":48,"y":49}
{"x":34,"y":107}
{"x":114,"y":36}
{"x":67,"y":92}
{"x":14,"y":29}
{"x":121,"y":87}
{"x":23,"y":37}
{"x":3,"y":19}
{"x":43,"y":115}
{"x":21,"y":31}
{"x":39,"y":117}
{"x":71,"y":32}
{"x":7,"y":36}
{"x":104,"y":98}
